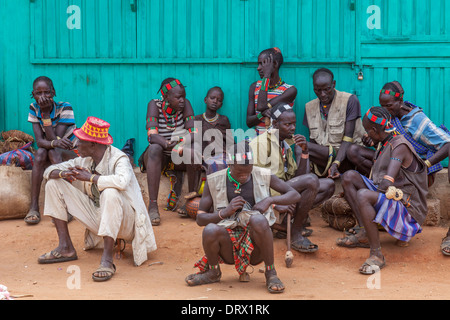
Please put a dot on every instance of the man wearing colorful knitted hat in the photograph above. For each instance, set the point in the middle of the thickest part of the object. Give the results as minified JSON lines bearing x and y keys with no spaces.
{"x":100,"y":190}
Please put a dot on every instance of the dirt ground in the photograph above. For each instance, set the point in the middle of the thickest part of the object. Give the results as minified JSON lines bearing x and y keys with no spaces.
{"x":419,"y":271}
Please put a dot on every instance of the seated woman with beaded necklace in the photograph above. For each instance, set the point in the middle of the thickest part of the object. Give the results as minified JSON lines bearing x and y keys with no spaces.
{"x":394,"y":197}
{"x":169,"y":120}
{"x":215,"y":136}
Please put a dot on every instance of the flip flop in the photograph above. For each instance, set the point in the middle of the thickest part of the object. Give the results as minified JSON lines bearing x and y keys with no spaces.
{"x":351,"y":242}
{"x":197,"y":279}
{"x":55,"y":257}
{"x":354,"y":230}
{"x":110,"y":271}
{"x":30,"y":214}
{"x":182,"y":212}
{"x":373,"y":265}
{"x":445,"y":244}
{"x":282,"y":234}
{"x":274,"y":280}
{"x":154,"y":216}
{"x":304,"y":246}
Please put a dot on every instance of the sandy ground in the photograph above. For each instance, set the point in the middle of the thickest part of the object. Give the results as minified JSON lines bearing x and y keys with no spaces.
{"x":419,"y":271}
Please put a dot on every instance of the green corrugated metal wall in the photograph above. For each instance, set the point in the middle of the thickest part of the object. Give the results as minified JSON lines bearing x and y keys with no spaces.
{"x":113,"y":65}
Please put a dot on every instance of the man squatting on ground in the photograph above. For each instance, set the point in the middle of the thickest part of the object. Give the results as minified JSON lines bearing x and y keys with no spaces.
{"x":236,"y":211}
{"x":100,"y":190}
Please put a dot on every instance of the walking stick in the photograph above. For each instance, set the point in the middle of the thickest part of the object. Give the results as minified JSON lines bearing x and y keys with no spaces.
{"x":289,"y":257}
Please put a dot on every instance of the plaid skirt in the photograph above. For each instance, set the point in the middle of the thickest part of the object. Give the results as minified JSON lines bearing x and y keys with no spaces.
{"x":393,"y":216}
{"x":242,"y":250}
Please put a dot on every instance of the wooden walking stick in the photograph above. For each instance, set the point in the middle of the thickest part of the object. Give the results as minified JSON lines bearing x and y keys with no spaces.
{"x":289,"y":257}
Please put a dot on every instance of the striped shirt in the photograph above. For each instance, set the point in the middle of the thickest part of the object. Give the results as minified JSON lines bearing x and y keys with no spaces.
{"x":177,"y":120}
{"x":62,"y":113}
{"x":422,"y":130}
{"x":272,"y":93}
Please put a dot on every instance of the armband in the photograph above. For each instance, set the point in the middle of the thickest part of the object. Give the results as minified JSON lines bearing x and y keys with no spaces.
{"x":347,"y":139}
{"x":47,"y":122}
{"x":265,"y":84}
{"x":152,"y":130}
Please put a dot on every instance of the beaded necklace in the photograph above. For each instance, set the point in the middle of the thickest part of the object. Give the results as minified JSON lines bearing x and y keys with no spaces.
{"x":276,"y":85}
{"x":214,"y":119}
{"x":235,"y":183}
{"x":383,"y":144}
{"x":167,"y":113}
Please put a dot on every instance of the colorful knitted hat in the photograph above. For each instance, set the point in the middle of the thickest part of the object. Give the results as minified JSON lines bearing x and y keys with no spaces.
{"x":94,"y":130}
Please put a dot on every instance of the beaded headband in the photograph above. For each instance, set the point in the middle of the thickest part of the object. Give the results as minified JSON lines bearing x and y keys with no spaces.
{"x":240,"y":158}
{"x":375,"y":119}
{"x":168,"y":86}
{"x":279,"y":111}
{"x":381,"y":121}
{"x":392,"y":93}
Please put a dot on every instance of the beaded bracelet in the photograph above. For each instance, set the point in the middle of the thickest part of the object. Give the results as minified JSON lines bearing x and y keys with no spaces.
{"x":260,"y":116}
{"x":396,"y":159}
{"x":192,"y":130}
{"x":47,"y":122}
{"x":305,"y":155}
{"x":270,"y":267}
{"x":152,"y":130}
{"x":265,"y":84}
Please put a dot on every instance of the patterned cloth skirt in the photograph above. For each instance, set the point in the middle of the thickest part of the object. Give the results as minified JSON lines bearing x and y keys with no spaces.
{"x":393,"y":216}
{"x":242,"y":250}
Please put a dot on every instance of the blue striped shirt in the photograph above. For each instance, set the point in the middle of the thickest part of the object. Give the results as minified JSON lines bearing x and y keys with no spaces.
{"x":423,"y":130}
{"x":62,"y":113}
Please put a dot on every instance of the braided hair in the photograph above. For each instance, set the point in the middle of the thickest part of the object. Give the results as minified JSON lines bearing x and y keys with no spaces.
{"x":276,"y":54}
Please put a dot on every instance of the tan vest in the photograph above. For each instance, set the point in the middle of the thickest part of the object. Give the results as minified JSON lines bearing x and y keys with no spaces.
{"x":261,"y":190}
{"x":331,"y":131}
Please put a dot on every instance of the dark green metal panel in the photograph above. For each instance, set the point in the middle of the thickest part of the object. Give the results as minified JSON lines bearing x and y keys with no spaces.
{"x":113,"y":65}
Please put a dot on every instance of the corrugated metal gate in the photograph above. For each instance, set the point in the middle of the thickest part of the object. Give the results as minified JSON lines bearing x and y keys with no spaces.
{"x":108,"y":57}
